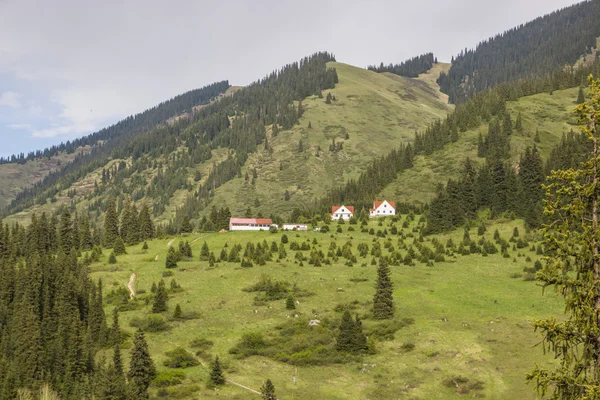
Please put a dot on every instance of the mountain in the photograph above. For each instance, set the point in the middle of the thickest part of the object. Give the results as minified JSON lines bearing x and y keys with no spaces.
{"x":368,"y":114}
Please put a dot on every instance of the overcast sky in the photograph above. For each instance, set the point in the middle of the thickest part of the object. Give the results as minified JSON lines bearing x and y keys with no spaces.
{"x":71,"y":67}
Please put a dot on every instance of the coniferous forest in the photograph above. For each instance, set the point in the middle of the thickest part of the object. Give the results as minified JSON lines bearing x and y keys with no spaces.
{"x":409,"y":68}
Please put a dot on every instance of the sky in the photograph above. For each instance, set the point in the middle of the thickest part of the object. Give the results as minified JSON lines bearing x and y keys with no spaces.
{"x":69,"y":67}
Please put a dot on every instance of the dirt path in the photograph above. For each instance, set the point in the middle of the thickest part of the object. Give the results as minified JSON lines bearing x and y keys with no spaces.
{"x":200,"y":237}
{"x":130,"y":285}
{"x":170,"y":243}
{"x":227,"y":380}
{"x":242,"y":386}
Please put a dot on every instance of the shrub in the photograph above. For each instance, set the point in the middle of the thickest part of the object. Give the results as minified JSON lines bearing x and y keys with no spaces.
{"x":201,"y":343}
{"x":180,"y":358}
{"x":168,"y":378}
{"x":112,"y":259}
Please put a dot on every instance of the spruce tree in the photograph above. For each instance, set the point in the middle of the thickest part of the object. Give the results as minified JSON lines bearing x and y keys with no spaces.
{"x":290,"y":304}
{"x":580,"y":96}
{"x":161,"y":298}
{"x":141,"y":368}
{"x":216,"y":373}
{"x":171,"y":259}
{"x":177,"y":313}
{"x":119,"y":247}
{"x":112,"y":259}
{"x":519,"y":123}
{"x":383,"y":302}
{"x":346,"y":338}
{"x":204,"y":252}
{"x":267,"y":391}
{"x":111,"y":223}
{"x":573,"y":268}
{"x":146,"y":224}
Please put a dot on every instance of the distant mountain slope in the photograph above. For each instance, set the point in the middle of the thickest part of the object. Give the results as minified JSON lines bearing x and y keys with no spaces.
{"x":534,"y":49}
{"x":549,"y":115}
{"x":376,"y":111}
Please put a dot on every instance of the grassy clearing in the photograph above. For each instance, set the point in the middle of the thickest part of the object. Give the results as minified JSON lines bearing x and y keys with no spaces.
{"x":471,"y":333}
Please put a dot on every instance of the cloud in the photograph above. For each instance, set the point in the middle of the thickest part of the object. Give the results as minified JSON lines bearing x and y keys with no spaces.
{"x":10,"y":99}
{"x":19,"y":126}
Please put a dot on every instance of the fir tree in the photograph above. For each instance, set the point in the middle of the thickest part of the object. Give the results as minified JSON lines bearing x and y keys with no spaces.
{"x":119,"y":247}
{"x":290,"y":304}
{"x":309,"y":125}
{"x":141,"y":368}
{"x":204,"y":252}
{"x":145,"y":245}
{"x":161,"y":298}
{"x":286,"y":196}
{"x":171,"y":259}
{"x":111,"y":223}
{"x":519,"y":123}
{"x":177,"y":313}
{"x":580,"y":96}
{"x":186,"y":226}
{"x":267,"y":391}
{"x":112,"y":259}
{"x":216,"y":373}
{"x":573,"y":268}
{"x":383,"y":302}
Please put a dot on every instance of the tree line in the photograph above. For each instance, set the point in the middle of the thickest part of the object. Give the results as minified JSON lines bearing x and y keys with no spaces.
{"x":410,"y":68}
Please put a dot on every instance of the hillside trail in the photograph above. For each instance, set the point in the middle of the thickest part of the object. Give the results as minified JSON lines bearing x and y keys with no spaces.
{"x":170,"y":243}
{"x":226,"y":380}
{"x":130,"y":285}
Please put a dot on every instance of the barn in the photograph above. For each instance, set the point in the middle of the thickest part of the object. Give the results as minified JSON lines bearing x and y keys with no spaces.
{"x":250,"y":224}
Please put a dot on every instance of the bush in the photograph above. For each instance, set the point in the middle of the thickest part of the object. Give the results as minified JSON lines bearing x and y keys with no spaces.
{"x":168,"y":378}
{"x":201,"y":343}
{"x":112,"y":259}
{"x":180,"y":358}
{"x":153,"y":323}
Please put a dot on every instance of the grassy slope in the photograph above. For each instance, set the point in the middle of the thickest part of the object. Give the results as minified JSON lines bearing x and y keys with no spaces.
{"x":14,"y":178}
{"x":551,"y":114}
{"x":471,"y":319}
{"x":378,"y":111}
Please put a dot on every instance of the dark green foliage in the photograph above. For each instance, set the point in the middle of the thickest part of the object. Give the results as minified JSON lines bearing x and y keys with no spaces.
{"x":580,"y":96}
{"x":267,"y":391}
{"x":161,"y":298}
{"x":216,"y":373}
{"x":112,"y":259}
{"x":145,"y":246}
{"x":410,"y":68}
{"x":111,"y":223}
{"x":290,"y":303}
{"x":177,"y":313}
{"x":171,"y":259}
{"x":119,"y":247}
{"x":180,"y":358}
{"x":540,"y":48}
{"x":350,"y":337}
{"x":141,"y":368}
{"x":383,"y":302}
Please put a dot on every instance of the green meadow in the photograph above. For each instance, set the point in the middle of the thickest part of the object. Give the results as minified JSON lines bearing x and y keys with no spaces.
{"x":462,"y":327}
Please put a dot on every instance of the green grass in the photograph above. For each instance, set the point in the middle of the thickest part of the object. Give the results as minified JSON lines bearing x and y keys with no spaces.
{"x":552,"y":115}
{"x":471,"y":319}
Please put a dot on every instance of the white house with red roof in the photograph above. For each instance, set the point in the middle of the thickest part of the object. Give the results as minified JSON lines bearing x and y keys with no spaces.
{"x":382,"y":209}
{"x":250,"y":224}
{"x":343,"y":212}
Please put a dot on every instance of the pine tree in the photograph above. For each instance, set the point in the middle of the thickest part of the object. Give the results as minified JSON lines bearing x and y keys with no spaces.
{"x":186,"y":226}
{"x":286,"y":196}
{"x":141,"y":368}
{"x":519,"y":123}
{"x":119,"y":247}
{"x":145,"y":246}
{"x":171,"y":259}
{"x":267,"y":391}
{"x":328,"y":98}
{"x":346,"y":339}
{"x":204,"y":252}
{"x":216,"y":373}
{"x":571,"y":242}
{"x":290,"y":304}
{"x":383,"y":302}
{"x":300,"y":146}
{"x":161,"y":298}
{"x":112,"y":259}
{"x":177,"y":313}
{"x":146,"y":224}
{"x":309,"y":125}
{"x":580,"y":96}
{"x":111,"y":223}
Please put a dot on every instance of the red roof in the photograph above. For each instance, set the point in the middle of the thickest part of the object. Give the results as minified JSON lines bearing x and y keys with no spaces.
{"x":335,"y":208}
{"x":376,"y":204}
{"x":248,"y":221}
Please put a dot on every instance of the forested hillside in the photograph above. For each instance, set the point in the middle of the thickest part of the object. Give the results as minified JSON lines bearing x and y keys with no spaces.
{"x":533,"y":50}
{"x":410,"y":68}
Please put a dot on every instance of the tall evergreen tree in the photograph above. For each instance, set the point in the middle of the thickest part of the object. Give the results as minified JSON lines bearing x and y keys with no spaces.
{"x":267,"y":391}
{"x":161,"y":298}
{"x":573,"y":268}
{"x":141,"y":368}
{"x":111,"y":223}
{"x":216,"y":373}
{"x":383,"y":301}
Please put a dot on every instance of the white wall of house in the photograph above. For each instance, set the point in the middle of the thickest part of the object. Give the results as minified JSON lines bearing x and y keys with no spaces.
{"x":342,"y":213}
{"x":250,"y":227}
{"x":384,"y":209}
